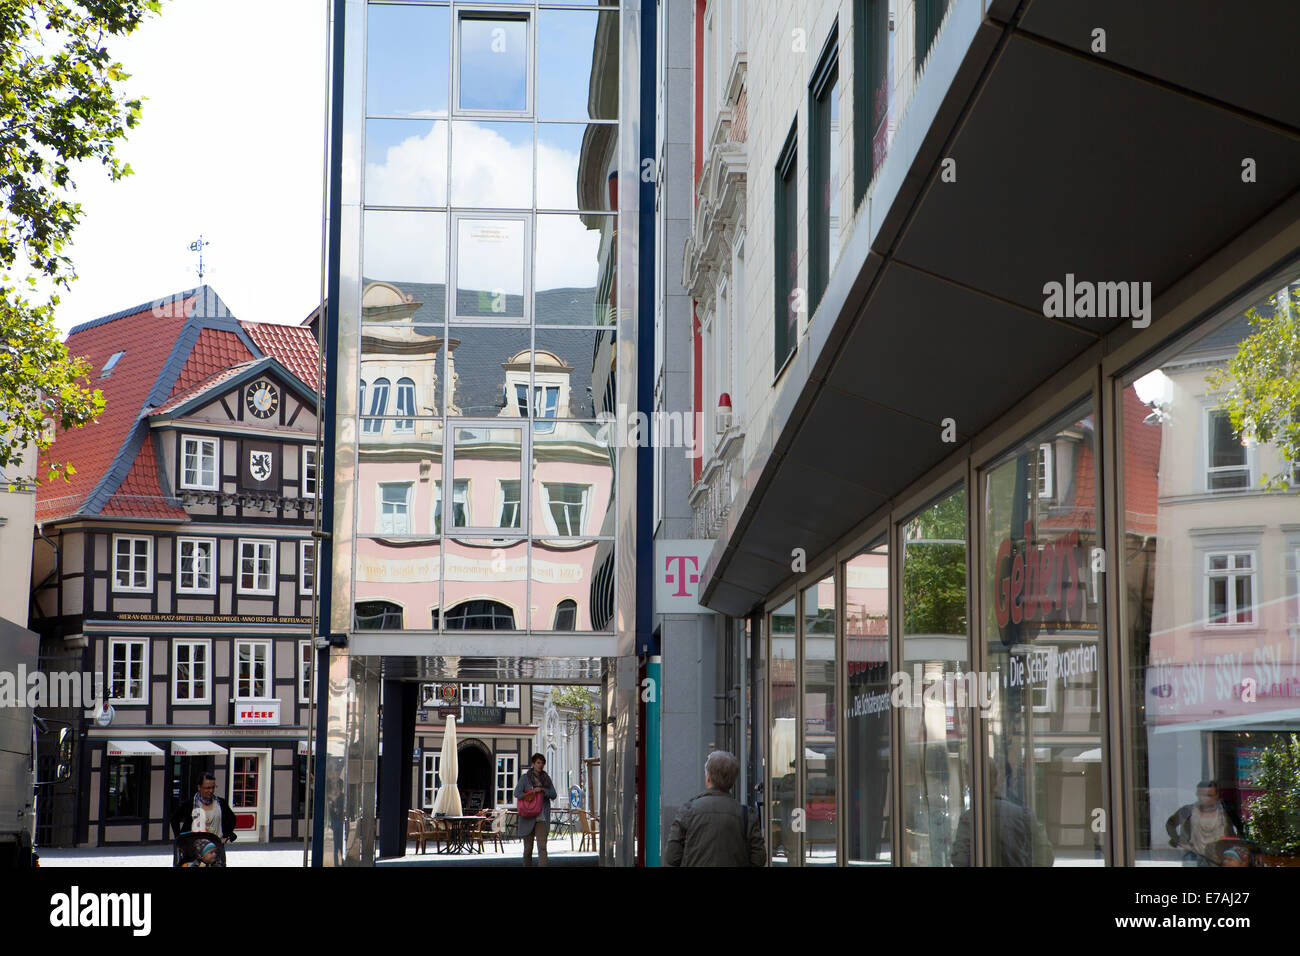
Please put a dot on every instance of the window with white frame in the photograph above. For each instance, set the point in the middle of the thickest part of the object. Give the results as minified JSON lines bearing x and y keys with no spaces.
{"x":405,"y":405}
{"x":128,"y":662}
{"x":132,"y":563}
{"x":511,"y":502}
{"x":507,"y":696}
{"x":197,"y":559}
{"x":306,"y":566}
{"x":429,"y":783}
{"x":1046,"y":470}
{"x":459,"y":505}
{"x":256,"y":567}
{"x":304,"y":671}
{"x":1230,"y":588}
{"x":545,"y":404}
{"x":378,"y":406}
{"x":190,"y":671}
{"x":308,"y":471}
{"x":507,"y":776}
{"x":394,"y":508}
{"x":566,"y":506}
{"x":199,"y":463}
{"x":253,"y":670}
{"x":472,"y":695}
{"x":1227,"y":460}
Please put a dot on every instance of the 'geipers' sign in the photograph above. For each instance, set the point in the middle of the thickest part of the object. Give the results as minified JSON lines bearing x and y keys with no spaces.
{"x":1039,"y":583}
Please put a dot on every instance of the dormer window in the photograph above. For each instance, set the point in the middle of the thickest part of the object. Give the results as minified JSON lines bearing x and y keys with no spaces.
{"x":199,"y":463}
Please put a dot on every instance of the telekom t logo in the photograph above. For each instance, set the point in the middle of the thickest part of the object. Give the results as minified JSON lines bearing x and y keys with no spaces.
{"x":681,"y":577}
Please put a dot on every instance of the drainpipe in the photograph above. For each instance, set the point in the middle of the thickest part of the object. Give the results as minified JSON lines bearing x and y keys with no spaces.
{"x":40,"y":533}
{"x":653,"y":737}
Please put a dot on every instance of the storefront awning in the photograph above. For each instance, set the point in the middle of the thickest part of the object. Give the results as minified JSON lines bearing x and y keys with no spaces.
{"x":132,"y":748}
{"x":195,"y":748}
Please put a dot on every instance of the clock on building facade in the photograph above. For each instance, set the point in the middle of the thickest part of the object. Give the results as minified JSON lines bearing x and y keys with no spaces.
{"x":263,"y":398}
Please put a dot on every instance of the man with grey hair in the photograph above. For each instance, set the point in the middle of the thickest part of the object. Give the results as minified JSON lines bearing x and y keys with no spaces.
{"x":712,"y":828}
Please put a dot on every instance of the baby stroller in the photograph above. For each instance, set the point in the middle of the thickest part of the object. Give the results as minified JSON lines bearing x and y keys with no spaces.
{"x":186,"y":848}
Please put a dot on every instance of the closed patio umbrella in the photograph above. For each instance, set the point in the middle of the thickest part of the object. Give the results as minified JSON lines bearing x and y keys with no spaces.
{"x":447,"y":801}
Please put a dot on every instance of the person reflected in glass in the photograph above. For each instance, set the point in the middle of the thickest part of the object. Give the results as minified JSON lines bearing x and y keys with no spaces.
{"x":1196,"y":827}
{"x":535,"y":780}
{"x":1019,"y":836}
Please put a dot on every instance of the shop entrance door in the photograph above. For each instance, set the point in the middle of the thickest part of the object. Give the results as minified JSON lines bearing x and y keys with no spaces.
{"x":250,"y":793}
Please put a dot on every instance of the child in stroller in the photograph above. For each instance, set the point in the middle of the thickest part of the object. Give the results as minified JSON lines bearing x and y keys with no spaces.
{"x":199,"y":848}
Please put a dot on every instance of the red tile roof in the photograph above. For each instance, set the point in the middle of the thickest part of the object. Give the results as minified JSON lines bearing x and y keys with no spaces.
{"x":214,"y":351}
{"x":293,"y":346}
{"x":145,"y":338}
{"x":116,"y":468}
{"x":1141,"y":466}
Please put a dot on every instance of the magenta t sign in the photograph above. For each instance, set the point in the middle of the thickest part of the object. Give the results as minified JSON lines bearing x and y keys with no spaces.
{"x":678,"y":565}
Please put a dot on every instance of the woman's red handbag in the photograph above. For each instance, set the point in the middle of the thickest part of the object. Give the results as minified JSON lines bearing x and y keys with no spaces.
{"x":530,"y":806}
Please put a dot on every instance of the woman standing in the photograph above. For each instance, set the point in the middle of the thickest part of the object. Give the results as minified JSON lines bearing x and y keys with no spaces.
{"x":535,"y":781}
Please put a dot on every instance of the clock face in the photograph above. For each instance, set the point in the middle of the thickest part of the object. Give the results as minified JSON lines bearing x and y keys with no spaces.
{"x":263,"y":398}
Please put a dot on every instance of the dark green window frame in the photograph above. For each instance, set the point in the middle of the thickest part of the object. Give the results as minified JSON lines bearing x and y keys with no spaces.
{"x":929,"y":14}
{"x":786,"y":262}
{"x":870,"y":90}
{"x":824,"y":80}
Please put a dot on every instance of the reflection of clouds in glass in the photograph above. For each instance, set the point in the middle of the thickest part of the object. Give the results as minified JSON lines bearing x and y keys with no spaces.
{"x":490,"y":255}
{"x":557,"y":165}
{"x":406,"y":163}
{"x":564,"y":46}
{"x":566,"y":253}
{"x":492,"y":164}
{"x":406,"y":246}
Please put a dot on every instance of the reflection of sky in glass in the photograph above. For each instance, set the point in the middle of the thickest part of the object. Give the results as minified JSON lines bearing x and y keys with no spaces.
{"x":490,"y":267}
{"x":558,"y":148}
{"x":492,"y":164}
{"x":493,"y":64}
{"x":564,"y":49}
{"x":567,"y":270}
{"x":406,"y":163}
{"x":406,"y":246}
{"x":406,"y":60}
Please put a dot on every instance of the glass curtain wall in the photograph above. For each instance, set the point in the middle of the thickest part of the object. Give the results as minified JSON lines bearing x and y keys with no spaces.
{"x":1211,"y":580}
{"x":784,"y":822}
{"x":820,"y":723}
{"x":936,"y":734}
{"x":485,"y":495}
{"x":866,"y":713}
{"x":1041,"y":699}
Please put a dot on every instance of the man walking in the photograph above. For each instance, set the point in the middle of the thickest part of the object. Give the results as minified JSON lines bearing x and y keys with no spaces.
{"x":712,"y":828}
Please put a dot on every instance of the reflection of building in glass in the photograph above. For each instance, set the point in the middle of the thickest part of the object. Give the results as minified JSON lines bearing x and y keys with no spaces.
{"x":475,"y":497}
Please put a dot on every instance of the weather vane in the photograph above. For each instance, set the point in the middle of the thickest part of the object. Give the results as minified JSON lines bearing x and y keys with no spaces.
{"x":197,"y":246}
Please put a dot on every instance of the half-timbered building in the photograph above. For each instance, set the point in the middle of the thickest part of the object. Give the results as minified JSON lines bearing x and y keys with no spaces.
{"x":178,"y":563}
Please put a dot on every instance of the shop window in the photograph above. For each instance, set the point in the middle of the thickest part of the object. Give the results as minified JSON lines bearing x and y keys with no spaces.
{"x":1209,"y":601}
{"x":784,"y":825}
{"x":789,"y":297}
{"x":819,"y":724}
{"x":126,"y":788}
{"x":867,"y":707}
{"x":132,"y":563}
{"x":824,"y":171}
{"x":1229,"y":588}
{"x":936,"y":733}
{"x":1042,"y":640}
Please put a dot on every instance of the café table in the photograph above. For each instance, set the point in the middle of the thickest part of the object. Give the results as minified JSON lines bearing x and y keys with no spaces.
{"x":462,"y":833}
